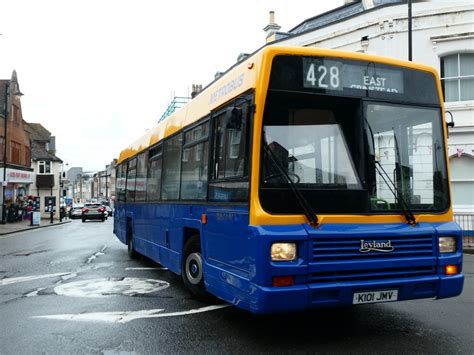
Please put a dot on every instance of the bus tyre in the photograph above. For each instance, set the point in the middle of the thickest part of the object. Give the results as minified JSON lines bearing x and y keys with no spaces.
{"x":132,"y":253}
{"x":192,"y":269}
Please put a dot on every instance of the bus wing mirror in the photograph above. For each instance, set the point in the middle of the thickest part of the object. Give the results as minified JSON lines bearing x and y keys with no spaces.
{"x":449,"y":124}
{"x":234,"y":118}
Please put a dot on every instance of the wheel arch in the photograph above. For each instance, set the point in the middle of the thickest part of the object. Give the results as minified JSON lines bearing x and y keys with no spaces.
{"x":188,"y":233}
{"x":129,"y":228}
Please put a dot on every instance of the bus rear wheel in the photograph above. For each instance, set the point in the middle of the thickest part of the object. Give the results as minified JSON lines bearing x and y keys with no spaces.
{"x":132,"y":253}
{"x":192,"y":269}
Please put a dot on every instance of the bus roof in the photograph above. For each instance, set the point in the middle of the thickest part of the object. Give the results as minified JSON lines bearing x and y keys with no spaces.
{"x":238,"y":79}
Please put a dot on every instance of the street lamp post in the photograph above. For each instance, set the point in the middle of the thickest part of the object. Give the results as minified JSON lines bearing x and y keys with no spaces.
{"x":410,"y":30}
{"x":5,"y":127}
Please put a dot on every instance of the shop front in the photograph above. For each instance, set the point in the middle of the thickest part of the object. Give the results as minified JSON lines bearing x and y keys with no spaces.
{"x":16,"y":191}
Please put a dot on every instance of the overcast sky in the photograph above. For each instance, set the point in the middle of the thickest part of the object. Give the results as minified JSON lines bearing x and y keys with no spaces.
{"x":99,"y":73}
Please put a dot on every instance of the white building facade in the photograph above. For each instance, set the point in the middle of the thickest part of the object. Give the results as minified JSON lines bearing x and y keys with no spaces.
{"x":47,"y":175}
{"x":443,"y":37}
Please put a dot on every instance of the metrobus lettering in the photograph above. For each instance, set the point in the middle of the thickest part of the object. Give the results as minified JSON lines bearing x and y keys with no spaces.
{"x":227,"y":89}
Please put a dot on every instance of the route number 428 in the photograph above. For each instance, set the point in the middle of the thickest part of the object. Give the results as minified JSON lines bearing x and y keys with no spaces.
{"x":323,"y":77}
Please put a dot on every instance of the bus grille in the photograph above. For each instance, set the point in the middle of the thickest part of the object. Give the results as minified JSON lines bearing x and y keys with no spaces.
{"x":347,"y":248}
{"x":338,"y":259}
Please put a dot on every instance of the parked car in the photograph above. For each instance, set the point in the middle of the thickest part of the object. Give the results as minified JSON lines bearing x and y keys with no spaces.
{"x":76,"y":211}
{"x":93,"y":211}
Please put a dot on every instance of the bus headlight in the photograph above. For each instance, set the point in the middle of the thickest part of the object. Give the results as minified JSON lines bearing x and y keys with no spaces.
{"x":283,"y":251}
{"x":447,"y":244}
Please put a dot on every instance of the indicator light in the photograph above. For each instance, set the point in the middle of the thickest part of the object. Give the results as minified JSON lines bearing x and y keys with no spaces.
{"x":451,"y":269}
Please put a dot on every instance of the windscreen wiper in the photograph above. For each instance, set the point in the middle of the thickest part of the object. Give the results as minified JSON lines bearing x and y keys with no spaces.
{"x":307,"y":209}
{"x":409,"y":216}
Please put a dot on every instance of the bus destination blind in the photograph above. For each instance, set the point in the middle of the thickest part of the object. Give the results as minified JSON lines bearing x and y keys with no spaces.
{"x":334,"y":74}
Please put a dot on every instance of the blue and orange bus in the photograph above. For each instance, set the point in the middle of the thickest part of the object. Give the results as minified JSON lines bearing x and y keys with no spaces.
{"x":301,"y":178}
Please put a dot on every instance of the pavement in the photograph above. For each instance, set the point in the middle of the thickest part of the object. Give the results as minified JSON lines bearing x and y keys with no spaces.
{"x":15,"y":227}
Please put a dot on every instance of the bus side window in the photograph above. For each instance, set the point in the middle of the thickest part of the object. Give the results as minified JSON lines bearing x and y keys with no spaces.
{"x":131,"y":175}
{"x":140,"y":181}
{"x":171,"y":167}
{"x":154,"y":173}
{"x":195,"y":163}
{"x":229,"y":178}
{"x":120,"y":173}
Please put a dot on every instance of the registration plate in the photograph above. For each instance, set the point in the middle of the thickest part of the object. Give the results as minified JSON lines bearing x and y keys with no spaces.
{"x":375,"y":296}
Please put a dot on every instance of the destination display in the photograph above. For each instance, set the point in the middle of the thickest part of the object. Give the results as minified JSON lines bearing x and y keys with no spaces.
{"x":334,"y":74}
{"x":353,"y":78}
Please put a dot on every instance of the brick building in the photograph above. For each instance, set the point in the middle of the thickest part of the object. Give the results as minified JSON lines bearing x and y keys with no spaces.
{"x":16,"y":173}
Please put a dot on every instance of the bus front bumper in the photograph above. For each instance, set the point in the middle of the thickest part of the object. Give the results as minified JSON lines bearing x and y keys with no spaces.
{"x":309,"y":296}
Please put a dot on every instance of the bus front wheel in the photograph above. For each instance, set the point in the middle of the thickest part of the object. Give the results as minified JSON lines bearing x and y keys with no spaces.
{"x":192,"y":269}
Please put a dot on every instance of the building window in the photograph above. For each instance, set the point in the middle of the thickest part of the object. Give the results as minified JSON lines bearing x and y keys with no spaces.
{"x":44,"y":167}
{"x":462,"y":181}
{"x":15,"y":114}
{"x":457,"y":76}
{"x":15,"y":152}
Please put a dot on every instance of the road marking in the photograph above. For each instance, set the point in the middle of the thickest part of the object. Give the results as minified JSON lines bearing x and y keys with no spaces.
{"x":13,"y":280}
{"x":92,"y":257}
{"x":124,"y":317}
{"x":35,"y":293}
{"x":96,"y":255}
{"x":146,"y":268}
{"x":106,"y":287}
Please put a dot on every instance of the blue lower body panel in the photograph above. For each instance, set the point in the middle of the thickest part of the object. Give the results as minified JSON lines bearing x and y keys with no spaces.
{"x":334,"y":260}
{"x":304,"y":297}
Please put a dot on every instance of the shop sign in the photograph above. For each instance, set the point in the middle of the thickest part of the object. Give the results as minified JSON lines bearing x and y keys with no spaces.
{"x":19,"y":176}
